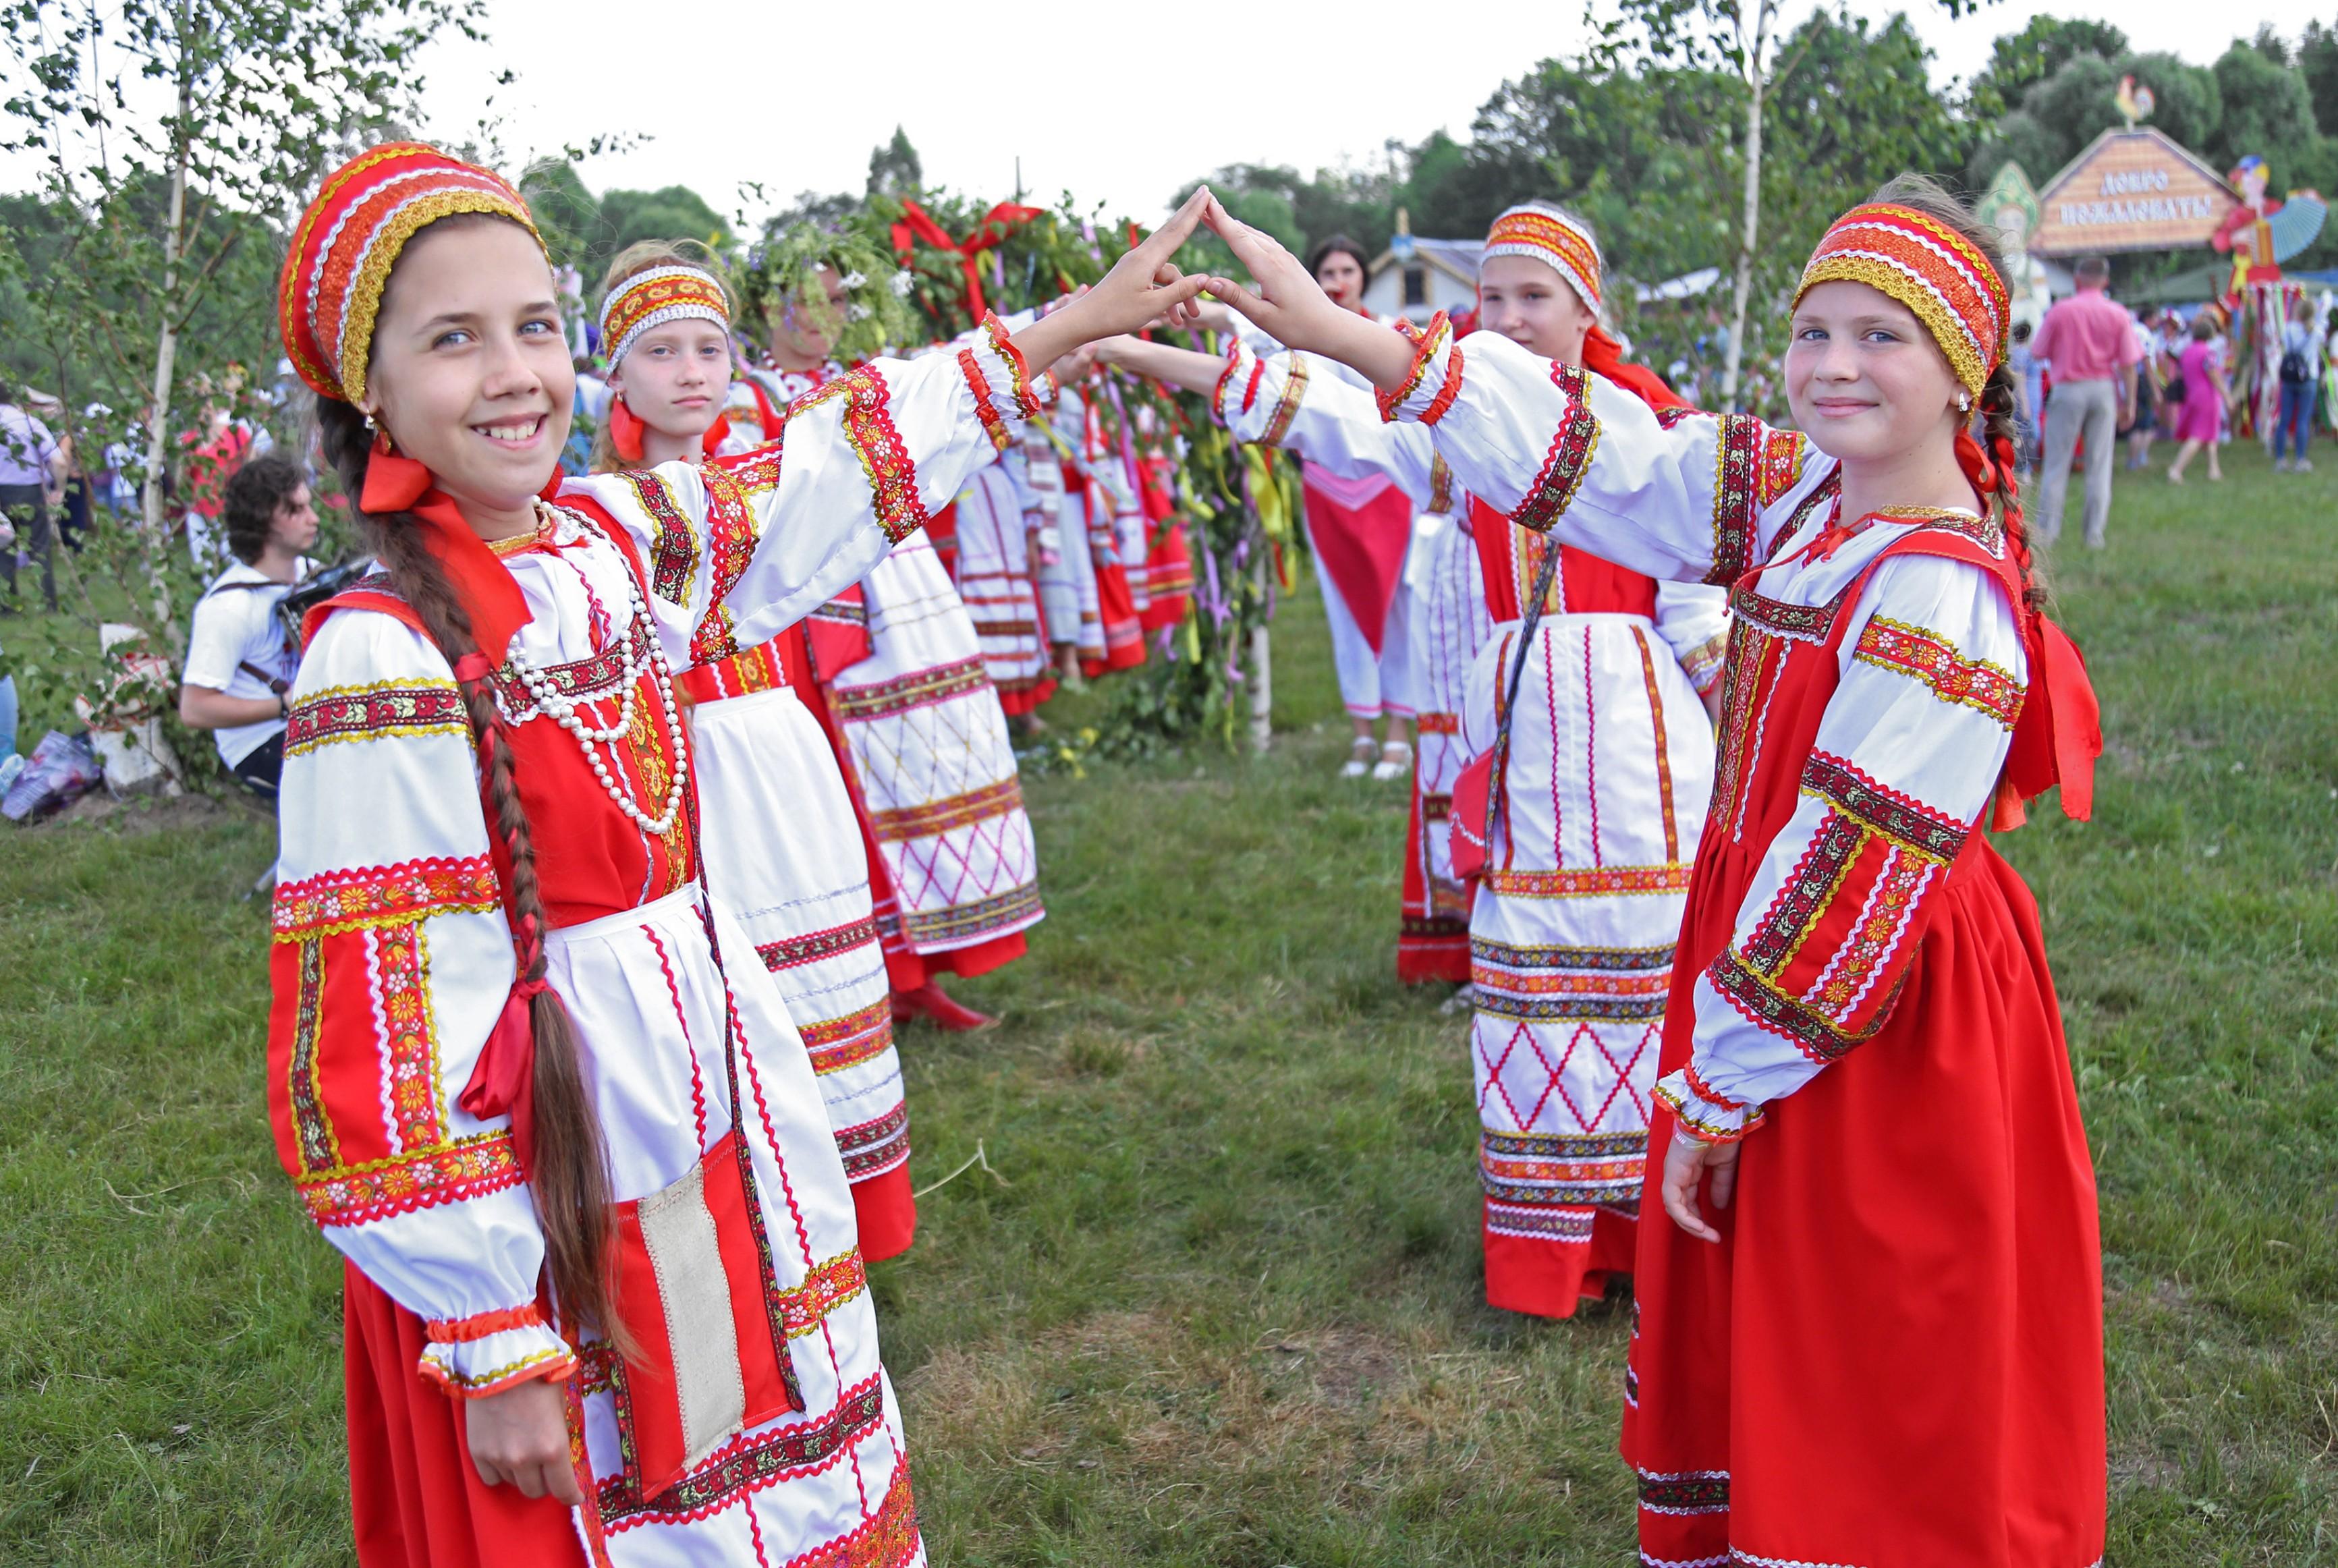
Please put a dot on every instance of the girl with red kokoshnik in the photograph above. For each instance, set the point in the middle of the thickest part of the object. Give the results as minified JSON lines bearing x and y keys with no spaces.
{"x":782,"y":848}
{"x":603,"y":1296}
{"x":1872,"y":1334}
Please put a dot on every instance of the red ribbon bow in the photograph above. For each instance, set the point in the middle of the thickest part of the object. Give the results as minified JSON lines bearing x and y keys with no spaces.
{"x":996,"y":225}
{"x":505,"y":1080}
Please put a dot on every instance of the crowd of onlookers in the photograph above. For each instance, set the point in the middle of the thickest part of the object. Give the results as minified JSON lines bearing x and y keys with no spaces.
{"x":2094,"y":374}
{"x":246,"y":514}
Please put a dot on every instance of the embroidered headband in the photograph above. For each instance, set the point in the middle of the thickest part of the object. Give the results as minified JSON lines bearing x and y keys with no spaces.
{"x":339,"y":263}
{"x":1931,"y":268}
{"x":655,"y":297}
{"x":1553,"y":237}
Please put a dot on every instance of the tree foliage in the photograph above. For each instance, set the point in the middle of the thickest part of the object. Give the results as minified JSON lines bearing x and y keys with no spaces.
{"x":2018,"y":61}
{"x":894,"y":168}
{"x":586,"y":231}
{"x":174,"y":141}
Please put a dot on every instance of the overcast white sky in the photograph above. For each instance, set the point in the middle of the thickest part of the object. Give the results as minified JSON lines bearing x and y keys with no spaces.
{"x":745,"y":90}
{"x":1120,"y":106}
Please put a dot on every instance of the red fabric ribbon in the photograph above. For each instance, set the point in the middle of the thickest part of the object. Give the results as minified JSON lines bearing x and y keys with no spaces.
{"x":396,"y":483}
{"x":629,"y":433}
{"x":996,"y":224}
{"x":1603,"y":356}
{"x":504,"y":1082}
{"x":2059,"y":732}
{"x":626,"y":432}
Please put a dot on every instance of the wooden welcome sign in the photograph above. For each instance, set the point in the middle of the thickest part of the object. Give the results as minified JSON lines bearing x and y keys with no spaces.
{"x":2131,"y":190}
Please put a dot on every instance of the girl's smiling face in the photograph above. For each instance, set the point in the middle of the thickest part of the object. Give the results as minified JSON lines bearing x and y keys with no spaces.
{"x":470,"y":375}
{"x":1864,"y":378}
{"x":676,"y":377}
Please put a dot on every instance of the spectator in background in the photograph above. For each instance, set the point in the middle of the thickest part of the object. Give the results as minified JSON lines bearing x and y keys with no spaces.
{"x":239,"y":661}
{"x":2203,"y":419}
{"x":2148,"y":417}
{"x":2301,"y":369}
{"x":117,"y":486}
{"x":2028,"y":396}
{"x":73,"y":526}
{"x":2089,"y":341}
{"x":2330,"y":376}
{"x":32,"y":485}
{"x":216,"y":449}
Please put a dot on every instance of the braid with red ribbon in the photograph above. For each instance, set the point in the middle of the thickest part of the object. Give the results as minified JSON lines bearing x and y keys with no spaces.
{"x":530,"y":1067}
{"x":1990,"y":462}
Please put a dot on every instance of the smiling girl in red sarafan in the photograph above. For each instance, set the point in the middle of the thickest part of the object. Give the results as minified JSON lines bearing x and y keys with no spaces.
{"x":603,"y":1294}
{"x":1873,"y":1334}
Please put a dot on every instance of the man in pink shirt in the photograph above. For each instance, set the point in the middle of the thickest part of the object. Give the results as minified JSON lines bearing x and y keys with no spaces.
{"x":2087,"y":342}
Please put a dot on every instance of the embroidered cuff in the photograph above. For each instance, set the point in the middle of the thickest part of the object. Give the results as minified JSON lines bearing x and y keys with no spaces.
{"x":1434,"y":380}
{"x":486,"y":1354}
{"x":1019,"y":381}
{"x":1237,"y":387}
{"x":1702,"y":1114}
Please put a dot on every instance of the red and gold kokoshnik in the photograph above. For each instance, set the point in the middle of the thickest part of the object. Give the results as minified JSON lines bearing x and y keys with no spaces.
{"x":1929,"y":268}
{"x":1552,"y":237}
{"x":655,"y":297}
{"x":331,"y":291}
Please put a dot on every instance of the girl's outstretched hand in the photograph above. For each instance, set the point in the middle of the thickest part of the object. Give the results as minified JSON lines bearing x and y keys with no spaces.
{"x":1287,"y":304}
{"x":1283,"y":300}
{"x":1685,"y":1162}
{"x":1144,"y":286}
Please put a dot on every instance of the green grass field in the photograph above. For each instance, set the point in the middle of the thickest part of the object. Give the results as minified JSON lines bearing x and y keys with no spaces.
{"x":1219,"y":1304}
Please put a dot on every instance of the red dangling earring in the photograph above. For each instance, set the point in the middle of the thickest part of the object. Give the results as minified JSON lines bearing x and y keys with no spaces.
{"x":625,"y":431}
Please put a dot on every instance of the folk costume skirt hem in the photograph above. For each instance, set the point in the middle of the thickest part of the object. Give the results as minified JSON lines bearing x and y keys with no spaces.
{"x":906,"y":969}
{"x":1547,"y":1278}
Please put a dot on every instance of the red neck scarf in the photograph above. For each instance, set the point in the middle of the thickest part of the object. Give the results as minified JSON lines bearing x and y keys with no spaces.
{"x":483,"y":586}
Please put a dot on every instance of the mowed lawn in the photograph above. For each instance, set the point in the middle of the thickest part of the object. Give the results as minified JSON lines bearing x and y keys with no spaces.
{"x":1215,"y":1299}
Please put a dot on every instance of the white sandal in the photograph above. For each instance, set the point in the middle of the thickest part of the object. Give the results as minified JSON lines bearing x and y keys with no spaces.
{"x":1359,"y":757}
{"x":1395,"y":761}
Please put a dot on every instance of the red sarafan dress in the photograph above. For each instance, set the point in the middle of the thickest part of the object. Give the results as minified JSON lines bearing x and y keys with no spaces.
{"x":1894,"y":1356}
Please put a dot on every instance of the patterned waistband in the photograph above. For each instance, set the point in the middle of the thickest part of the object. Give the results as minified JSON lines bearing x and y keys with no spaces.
{"x":739,"y":675}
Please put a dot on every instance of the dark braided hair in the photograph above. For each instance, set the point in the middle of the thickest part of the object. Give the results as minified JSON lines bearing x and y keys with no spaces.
{"x":2001,"y":428}
{"x":570,"y":1179}
{"x":2000,"y":490}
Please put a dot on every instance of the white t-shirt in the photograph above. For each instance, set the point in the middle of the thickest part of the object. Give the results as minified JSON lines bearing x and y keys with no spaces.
{"x":235,"y":626}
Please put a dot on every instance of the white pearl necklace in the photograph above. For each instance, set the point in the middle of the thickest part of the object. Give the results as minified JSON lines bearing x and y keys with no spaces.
{"x":640,"y":649}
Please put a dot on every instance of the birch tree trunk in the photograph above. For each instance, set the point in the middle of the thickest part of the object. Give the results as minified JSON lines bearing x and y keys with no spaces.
{"x":166,"y":339}
{"x":1756,"y":74}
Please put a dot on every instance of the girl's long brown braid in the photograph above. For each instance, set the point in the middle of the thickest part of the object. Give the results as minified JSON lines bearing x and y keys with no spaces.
{"x":2000,"y":429}
{"x":570,"y":1177}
